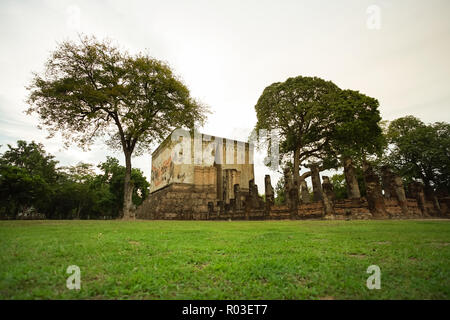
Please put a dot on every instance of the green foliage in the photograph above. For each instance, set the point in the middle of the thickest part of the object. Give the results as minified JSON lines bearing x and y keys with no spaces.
{"x":420,"y":152}
{"x":357,"y":133}
{"x":19,"y":190}
{"x":29,"y":179}
{"x":114,"y":175}
{"x":339,"y":187}
{"x":32,"y":158}
{"x":280,"y":195}
{"x":301,"y":110}
{"x":27,"y":176}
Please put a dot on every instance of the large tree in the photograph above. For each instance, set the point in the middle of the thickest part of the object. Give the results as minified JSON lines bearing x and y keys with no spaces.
{"x":356,"y":136}
{"x":301,"y":110}
{"x":93,"y":89}
{"x":420,"y":152}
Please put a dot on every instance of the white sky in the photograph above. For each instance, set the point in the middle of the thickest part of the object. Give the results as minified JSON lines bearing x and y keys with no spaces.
{"x":227,"y":52}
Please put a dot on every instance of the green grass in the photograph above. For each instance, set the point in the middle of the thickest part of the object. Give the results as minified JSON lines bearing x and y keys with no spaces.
{"x":225,"y":260}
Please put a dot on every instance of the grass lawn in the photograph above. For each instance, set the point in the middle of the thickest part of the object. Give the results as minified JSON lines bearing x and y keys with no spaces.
{"x":225,"y":260}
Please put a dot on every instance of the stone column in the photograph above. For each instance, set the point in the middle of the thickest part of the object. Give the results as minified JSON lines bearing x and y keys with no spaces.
{"x":269,"y":192}
{"x":225,"y":191}
{"x":304,"y":191}
{"x":386,"y":180}
{"x":237,"y":197}
{"x":293,"y":200}
{"x":328,"y":198}
{"x":219,"y":182}
{"x":315,"y":178}
{"x":437,"y":205}
{"x":350,"y":179}
{"x":255,"y":197}
{"x":268,"y":189}
{"x":254,"y":200}
{"x":210,"y":210}
{"x":430,"y":195}
{"x":291,"y":192}
{"x":400,"y":195}
{"x":220,"y":207}
{"x":287,"y":186}
{"x":375,"y":198}
{"x":416,"y":190}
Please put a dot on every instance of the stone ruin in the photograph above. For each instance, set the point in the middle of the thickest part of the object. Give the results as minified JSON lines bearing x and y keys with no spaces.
{"x":221,"y":186}
{"x":216,"y":181}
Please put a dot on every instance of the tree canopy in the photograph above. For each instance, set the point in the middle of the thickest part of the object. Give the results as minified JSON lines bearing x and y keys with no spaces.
{"x":301,"y":111}
{"x":357,"y":133}
{"x":420,"y":152}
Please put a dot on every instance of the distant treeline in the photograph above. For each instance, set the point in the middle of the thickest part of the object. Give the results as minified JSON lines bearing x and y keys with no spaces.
{"x":32,"y":185}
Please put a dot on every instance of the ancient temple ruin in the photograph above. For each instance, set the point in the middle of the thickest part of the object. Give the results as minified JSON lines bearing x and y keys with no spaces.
{"x":202,"y":177}
{"x":212,"y":175}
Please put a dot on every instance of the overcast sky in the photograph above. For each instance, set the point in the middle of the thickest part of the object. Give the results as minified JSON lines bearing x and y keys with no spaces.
{"x":227,"y":52}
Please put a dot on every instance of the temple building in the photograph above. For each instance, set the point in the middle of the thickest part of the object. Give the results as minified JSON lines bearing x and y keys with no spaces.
{"x":194,"y":173}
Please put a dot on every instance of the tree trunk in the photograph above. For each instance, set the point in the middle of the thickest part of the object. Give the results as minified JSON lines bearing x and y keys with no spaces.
{"x":296,"y":169}
{"x":350,"y":179}
{"x":78,"y":211}
{"x":128,"y":212}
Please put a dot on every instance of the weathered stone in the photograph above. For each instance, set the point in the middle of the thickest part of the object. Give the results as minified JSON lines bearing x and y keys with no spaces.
{"x":393,"y":188}
{"x":430,"y":195}
{"x":288,"y":183}
{"x":238,"y":197}
{"x":221,"y":207}
{"x":328,"y":188}
{"x":293,"y":200}
{"x":269,"y":192}
{"x":400,"y":195}
{"x":291,"y":192}
{"x":254,"y":200}
{"x":350,"y":179}
{"x":375,"y":197}
{"x":328,"y":198}
{"x":304,"y":192}
{"x":417,"y":190}
{"x":387,"y":178}
{"x":315,"y":178}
